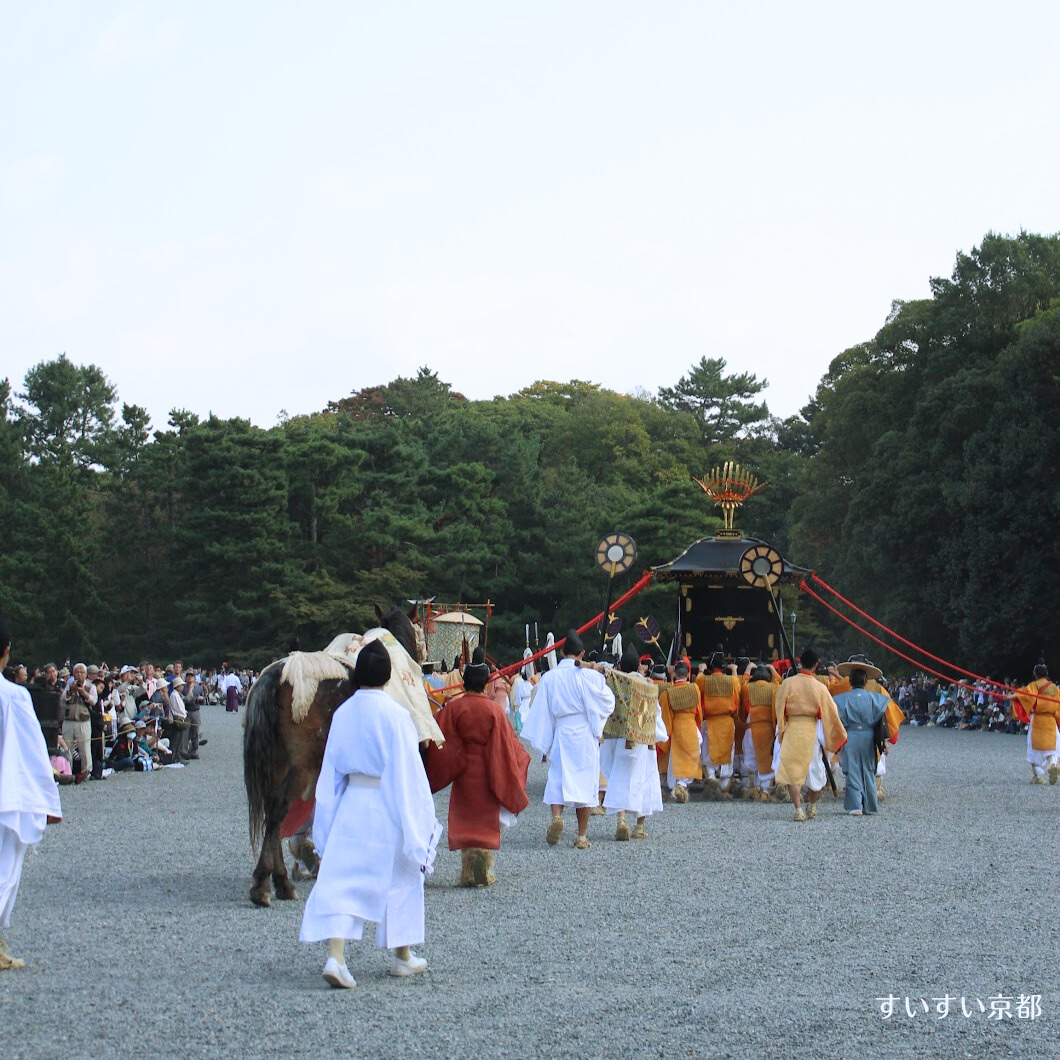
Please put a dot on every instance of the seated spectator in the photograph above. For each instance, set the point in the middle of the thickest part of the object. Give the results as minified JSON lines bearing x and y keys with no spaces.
{"x":123,"y":754}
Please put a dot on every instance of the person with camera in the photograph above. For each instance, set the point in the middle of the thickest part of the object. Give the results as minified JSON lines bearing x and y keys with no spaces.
{"x":177,"y":726}
{"x":192,"y":696}
{"x":78,"y":700}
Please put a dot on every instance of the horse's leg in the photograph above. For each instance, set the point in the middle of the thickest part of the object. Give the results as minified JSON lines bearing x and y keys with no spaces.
{"x":260,"y":891}
{"x":271,"y":854}
{"x":280,"y":880}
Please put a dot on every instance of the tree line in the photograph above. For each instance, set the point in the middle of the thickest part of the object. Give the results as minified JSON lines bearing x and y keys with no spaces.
{"x":921,"y":479}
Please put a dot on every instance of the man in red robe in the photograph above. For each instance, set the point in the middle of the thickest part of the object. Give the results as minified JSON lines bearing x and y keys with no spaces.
{"x":487,"y":765}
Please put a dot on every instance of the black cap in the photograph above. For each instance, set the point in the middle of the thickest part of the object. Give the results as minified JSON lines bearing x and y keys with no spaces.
{"x":372,"y":669}
{"x":572,"y":643}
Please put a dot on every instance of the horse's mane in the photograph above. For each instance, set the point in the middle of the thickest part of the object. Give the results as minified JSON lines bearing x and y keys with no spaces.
{"x":398,"y":622}
{"x":304,"y":670}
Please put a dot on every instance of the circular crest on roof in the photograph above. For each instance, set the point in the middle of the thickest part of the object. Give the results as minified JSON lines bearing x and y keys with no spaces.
{"x":761,"y":566}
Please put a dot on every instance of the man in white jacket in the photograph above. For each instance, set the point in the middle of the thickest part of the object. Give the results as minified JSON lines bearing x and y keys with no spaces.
{"x":374,"y":828}
{"x":566,"y":720}
{"x":29,"y":798}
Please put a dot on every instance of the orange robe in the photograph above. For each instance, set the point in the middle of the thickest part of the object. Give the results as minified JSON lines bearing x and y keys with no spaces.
{"x":802,"y":700}
{"x":683,"y":728}
{"x":1040,"y":703}
{"x":758,"y":708}
{"x":486,"y":764}
{"x":721,"y":704}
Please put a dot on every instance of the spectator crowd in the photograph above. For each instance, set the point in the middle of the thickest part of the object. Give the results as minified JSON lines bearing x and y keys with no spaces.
{"x":137,"y":718}
{"x":978,"y":705}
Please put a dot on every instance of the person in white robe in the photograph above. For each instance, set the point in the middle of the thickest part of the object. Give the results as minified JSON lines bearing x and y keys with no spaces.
{"x":29,"y":798}
{"x":565,"y":722}
{"x":633,"y":782}
{"x":374,"y":828}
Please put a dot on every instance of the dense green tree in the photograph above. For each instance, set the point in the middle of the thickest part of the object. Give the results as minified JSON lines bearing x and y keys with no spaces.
{"x":230,"y":548}
{"x":913,"y":503}
{"x":721,"y":404}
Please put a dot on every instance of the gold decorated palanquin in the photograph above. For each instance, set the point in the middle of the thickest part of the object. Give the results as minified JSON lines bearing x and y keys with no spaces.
{"x":724,"y":581}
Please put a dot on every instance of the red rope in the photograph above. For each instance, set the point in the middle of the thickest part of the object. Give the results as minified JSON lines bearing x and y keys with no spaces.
{"x":960,"y":684}
{"x":898,"y":636}
{"x":623,"y":599}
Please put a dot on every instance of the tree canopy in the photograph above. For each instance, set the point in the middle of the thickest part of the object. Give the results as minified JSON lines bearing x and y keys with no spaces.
{"x":921,"y":479}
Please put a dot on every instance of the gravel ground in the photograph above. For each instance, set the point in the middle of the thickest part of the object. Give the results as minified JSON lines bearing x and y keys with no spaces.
{"x":731,"y":932}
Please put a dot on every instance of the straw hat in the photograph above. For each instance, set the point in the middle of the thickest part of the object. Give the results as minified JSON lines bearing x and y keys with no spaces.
{"x":857,"y":662}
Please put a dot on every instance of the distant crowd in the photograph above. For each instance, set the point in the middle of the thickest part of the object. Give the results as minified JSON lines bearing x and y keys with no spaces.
{"x":136,"y":718}
{"x":980,"y":705}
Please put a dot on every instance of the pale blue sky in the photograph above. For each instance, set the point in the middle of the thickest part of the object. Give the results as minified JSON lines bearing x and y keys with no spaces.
{"x":243,"y":207}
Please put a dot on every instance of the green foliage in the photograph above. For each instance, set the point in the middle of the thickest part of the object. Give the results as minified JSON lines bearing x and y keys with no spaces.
{"x":721,"y":404}
{"x":932,"y":498}
{"x":921,"y":480}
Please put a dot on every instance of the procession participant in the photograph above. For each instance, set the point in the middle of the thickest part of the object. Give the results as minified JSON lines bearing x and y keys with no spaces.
{"x":801,"y":701}
{"x":522,"y":692}
{"x":721,"y":703}
{"x":374,"y":827}
{"x":1038,"y":706}
{"x":487,"y":765}
{"x":29,"y":799}
{"x":627,"y":756}
{"x":498,"y":687}
{"x":859,"y":710}
{"x":682,"y":714}
{"x":757,"y":706}
{"x":658,"y":676}
{"x":839,"y":682}
{"x":566,"y":720}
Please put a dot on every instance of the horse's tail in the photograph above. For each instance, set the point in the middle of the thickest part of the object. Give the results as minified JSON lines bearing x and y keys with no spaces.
{"x":259,"y":747}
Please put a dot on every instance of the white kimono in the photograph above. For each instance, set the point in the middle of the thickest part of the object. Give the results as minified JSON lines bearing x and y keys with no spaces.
{"x":633,"y":774}
{"x":566,"y":720}
{"x":28,"y":793}
{"x":374,"y":826}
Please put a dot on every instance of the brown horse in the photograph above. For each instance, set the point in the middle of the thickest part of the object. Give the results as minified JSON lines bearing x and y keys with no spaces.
{"x":282,"y":754}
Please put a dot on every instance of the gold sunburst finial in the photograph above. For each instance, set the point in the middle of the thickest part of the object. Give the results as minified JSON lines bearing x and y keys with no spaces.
{"x":728,"y":487}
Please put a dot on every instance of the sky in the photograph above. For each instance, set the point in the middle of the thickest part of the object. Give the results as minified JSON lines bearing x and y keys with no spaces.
{"x":247,"y":208}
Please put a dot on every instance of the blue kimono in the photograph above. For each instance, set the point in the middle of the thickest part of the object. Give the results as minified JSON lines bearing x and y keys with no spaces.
{"x":859,"y":710}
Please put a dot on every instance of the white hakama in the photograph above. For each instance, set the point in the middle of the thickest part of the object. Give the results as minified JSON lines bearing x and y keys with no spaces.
{"x":565,"y":721}
{"x":374,"y":827}
{"x":1041,"y":760}
{"x":633,"y":775}
{"x":28,"y":793}
{"x":750,"y":763}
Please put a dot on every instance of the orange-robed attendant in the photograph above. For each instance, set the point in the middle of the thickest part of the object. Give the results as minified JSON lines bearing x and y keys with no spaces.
{"x":1039,"y":704}
{"x":721,"y":704}
{"x":682,"y":715}
{"x":759,"y":714}
{"x":801,"y":702}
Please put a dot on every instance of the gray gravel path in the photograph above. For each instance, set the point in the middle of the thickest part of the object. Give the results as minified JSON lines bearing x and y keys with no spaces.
{"x":732,"y":932}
